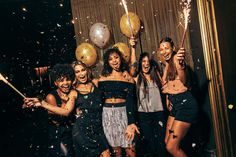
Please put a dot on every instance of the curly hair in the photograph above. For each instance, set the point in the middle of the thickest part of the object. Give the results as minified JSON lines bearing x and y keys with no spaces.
{"x":59,"y":71}
{"x":107,"y":69}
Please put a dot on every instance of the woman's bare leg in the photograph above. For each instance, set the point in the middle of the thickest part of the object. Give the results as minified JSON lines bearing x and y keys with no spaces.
{"x":130,"y":152}
{"x":178,"y":131}
{"x":169,"y":124}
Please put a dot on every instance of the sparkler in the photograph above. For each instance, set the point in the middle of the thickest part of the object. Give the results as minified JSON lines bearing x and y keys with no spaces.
{"x":127,"y":13}
{"x":186,"y":6}
{"x":8,"y":83}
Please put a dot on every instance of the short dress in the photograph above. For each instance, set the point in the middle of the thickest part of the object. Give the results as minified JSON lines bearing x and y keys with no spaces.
{"x":117,"y":116}
{"x":60,"y":143}
{"x":88,"y":134}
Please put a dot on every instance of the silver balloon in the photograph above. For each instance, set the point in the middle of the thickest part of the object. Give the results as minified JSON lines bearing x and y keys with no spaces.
{"x":99,"y":34}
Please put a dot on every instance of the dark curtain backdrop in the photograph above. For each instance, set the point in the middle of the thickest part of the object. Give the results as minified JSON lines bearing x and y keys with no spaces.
{"x":159,"y":18}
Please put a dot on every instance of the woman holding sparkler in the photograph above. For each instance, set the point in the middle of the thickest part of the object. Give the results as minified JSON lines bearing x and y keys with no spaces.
{"x":59,"y":129}
{"x":182,"y":105}
{"x":88,"y":136}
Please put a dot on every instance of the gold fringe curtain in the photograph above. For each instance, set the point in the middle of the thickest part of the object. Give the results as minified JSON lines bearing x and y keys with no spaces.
{"x":159,"y":18}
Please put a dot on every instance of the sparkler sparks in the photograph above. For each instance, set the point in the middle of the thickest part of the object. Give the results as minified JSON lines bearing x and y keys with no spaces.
{"x":9,"y":84}
{"x":127,"y":13}
{"x":186,"y":8}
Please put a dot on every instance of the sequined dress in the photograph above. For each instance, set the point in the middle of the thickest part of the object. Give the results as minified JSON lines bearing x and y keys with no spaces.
{"x":88,"y":134}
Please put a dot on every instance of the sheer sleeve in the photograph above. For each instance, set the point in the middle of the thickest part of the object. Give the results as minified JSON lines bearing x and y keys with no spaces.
{"x":101,"y":89}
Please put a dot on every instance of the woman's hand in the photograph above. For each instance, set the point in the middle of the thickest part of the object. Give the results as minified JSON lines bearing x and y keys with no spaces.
{"x":130,"y":132}
{"x":181,"y":54}
{"x":127,"y":76}
{"x":169,"y":106}
{"x":31,"y":102}
{"x":132,"y":41}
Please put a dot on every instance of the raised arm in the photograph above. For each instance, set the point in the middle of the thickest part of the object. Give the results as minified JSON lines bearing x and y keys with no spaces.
{"x":133,"y":61}
{"x":180,"y":64}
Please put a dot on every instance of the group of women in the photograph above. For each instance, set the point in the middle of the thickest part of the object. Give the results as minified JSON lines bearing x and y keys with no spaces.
{"x":125,"y":101}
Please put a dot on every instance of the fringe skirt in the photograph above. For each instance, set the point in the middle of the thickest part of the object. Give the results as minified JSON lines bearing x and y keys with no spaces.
{"x":114,"y":121}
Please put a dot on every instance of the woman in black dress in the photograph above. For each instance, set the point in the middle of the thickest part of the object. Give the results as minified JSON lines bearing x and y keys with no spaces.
{"x":59,"y":127}
{"x":88,"y":135}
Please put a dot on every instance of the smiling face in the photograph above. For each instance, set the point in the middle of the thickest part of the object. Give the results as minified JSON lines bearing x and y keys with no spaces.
{"x":63,"y":84}
{"x":81,"y":73}
{"x":114,"y":61}
{"x":166,"y":50}
{"x":145,"y":65}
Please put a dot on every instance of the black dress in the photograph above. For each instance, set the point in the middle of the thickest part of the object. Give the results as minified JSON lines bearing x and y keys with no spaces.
{"x":59,"y":131}
{"x":88,"y":135}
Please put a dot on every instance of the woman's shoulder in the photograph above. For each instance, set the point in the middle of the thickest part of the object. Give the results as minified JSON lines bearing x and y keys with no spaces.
{"x":51,"y":96}
{"x":73,"y":93}
{"x":102,"y":78}
{"x":95,"y":82}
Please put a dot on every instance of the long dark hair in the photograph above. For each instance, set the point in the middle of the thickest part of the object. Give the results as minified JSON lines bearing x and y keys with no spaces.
{"x":106,"y":67}
{"x":172,"y":71}
{"x":154,"y":74}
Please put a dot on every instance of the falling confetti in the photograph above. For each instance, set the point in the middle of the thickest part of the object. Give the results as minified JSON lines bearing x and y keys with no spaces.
{"x":230,"y":106}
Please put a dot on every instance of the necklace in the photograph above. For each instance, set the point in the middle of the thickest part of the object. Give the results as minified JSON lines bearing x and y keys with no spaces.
{"x":86,"y":90}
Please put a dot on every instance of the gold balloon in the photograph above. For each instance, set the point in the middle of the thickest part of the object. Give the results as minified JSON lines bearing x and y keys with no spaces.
{"x":124,"y":49}
{"x":135,"y":24}
{"x":86,"y":53}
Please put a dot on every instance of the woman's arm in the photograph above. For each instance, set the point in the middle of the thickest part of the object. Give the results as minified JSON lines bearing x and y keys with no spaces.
{"x":64,"y":111}
{"x":164,"y":77}
{"x":133,"y":61}
{"x":168,"y":104}
{"x":131,"y":103}
{"x":180,"y":64}
{"x":50,"y":105}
